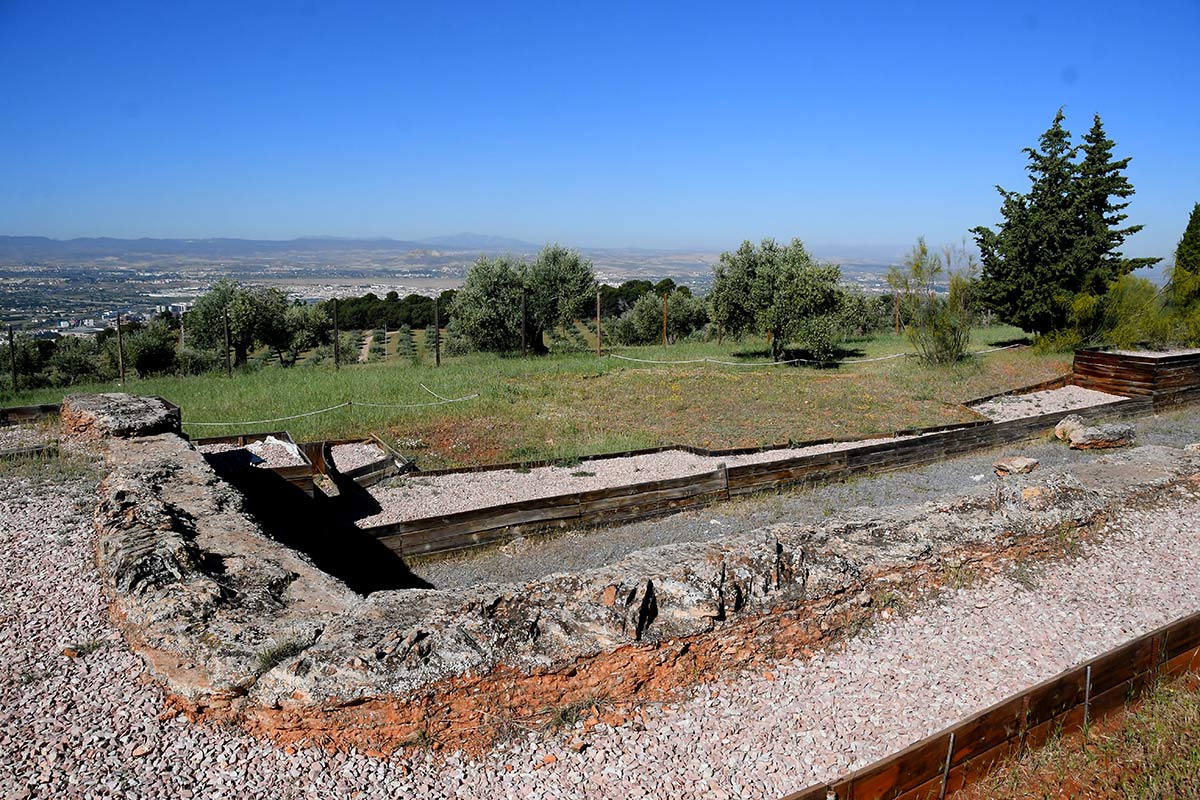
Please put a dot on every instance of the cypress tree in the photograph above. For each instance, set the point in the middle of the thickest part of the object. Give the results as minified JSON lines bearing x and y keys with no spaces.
{"x":1185,"y":278}
{"x":1057,"y":250}
{"x":1101,"y":179}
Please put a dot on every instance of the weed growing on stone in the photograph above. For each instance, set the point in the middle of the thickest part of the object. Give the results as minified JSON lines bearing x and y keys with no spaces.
{"x":565,"y":716}
{"x":271,"y":657}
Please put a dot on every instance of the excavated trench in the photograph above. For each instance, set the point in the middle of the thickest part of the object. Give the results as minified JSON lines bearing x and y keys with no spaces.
{"x":253,"y":605}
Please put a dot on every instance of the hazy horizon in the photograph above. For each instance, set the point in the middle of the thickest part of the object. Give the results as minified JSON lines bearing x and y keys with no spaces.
{"x":668,"y":127}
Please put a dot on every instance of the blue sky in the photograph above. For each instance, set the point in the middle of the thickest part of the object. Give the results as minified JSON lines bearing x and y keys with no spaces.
{"x":605,"y":124}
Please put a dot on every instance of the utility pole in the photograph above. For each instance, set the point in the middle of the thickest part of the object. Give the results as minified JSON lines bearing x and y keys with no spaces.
{"x":12,"y":354}
{"x":664,"y":319}
{"x":337,"y":339}
{"x":437,"y":335}
{"x":524,"y":325}
{"x":120,"y":352}
{"x":598,"y":333}
{"x":228,"y":366}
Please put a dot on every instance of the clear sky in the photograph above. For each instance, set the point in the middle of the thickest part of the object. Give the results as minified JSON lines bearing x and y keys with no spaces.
{"x":595,"y":124}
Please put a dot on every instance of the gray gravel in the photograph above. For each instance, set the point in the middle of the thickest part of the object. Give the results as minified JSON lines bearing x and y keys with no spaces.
{"x":16,"y":437}
{"x":91,"y":726}
{"x":273,"y":454}
{"x":1014,"y":406}
{"x":579,"y":549}
{"x":353,"y":455}
{"x":415,"y":497}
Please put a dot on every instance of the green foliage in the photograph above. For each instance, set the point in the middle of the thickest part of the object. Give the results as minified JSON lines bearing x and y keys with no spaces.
{"x":643,"y":323}
{"x":148,"y":351}
{"x":558,"y":288}
{"x":256,"y":316}
{"x":940,"y":325}
{"x":777,"y":291}
{"x":1184,"y":296}
{"x":1062,"y":238}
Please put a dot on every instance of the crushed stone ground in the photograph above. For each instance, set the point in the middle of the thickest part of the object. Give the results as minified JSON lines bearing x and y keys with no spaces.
{"x":91,"y":726}
{"x":1015,"y":406}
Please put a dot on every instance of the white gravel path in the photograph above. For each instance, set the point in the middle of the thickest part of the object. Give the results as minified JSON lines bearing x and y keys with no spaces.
{"x":1014,"y":406}
{"x":414,"y":497}
{"x":351,"y":456}
{"x":90,"y":727}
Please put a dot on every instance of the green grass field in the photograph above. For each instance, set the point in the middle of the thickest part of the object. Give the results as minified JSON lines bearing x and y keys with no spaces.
{"x":562,"y":406}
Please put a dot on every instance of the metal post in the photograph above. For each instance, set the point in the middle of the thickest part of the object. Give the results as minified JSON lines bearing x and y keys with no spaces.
{"x":437,"y":335}
{"x":337,"y":339}
{"x":120,"y":352}
{"x":664,"y":319}
{"x":598,"y":333}
{"x":12,"y":354}
{"x":1087,"y":698}
{"x":228,"y":366}
{"x":524,"y":324}
{"x":946,"y":768}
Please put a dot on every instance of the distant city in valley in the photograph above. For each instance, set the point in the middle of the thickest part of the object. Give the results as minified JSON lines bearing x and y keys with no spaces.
{"x":79,"y":286}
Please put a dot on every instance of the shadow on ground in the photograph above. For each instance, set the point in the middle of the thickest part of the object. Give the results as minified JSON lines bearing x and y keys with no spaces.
{"x":323,"y":529}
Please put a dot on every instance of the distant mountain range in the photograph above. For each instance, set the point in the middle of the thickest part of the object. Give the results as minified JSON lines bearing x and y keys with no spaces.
{"x":41,"y":247}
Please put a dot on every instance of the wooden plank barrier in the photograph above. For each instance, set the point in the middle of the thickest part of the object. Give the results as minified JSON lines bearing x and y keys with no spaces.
{"x":621,"y":504}
{"x":1169,"y":379}
{"x":963,"y":753}
{"x":389,"y":464}
{"x":14,"y":415}
{"x":299,"y":475}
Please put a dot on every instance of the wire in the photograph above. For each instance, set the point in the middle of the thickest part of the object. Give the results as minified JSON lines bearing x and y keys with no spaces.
{"x":277,"y":419}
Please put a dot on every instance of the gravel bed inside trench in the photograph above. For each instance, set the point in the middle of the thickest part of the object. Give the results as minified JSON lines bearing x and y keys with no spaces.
{"x":272,"y":454}
{"x":353,"y":455}
{"x":1014,"y":406}
{"x":414,"y":497}
{"x":91,"y":726}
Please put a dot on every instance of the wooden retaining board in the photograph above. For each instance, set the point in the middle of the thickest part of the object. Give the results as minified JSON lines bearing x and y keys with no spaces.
{"x":495,"y":524}
{"x":299,"y":475}
{"x":13,"y":415}
{"x":1021,"y":721}
{"x":499,"y":523}
{"x":392,"y":463}
{"x":1170,"y":380}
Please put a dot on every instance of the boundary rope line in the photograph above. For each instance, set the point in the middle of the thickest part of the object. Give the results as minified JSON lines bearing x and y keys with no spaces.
{"x":707,"y":360}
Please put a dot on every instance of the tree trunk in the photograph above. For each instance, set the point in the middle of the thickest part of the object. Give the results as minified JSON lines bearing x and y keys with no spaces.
{"x":537,"y":344}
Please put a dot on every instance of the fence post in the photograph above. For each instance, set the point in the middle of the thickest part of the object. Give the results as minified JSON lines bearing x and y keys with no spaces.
{"x":385,"y":342}
{"x":12,"y":354}
{"x":437,"y":335}
{"x":228,"y":366}
{"x":121,"y":349}
{"x":337,"y":339}
{"x":664,"y":319}
{"x":598,"y":331}
{"x":524,"y":324}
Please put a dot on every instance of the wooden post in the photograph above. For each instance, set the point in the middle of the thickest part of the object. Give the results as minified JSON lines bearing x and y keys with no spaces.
{"x":664,"y":319}
{"x":12,"y":354}
{"x":718,"y":334}
{"x":337,"y":339}
{"x":897,"y":296}
{"x":120,"y":352}
{"x":180,"y":330}
{"x":437,"y":335}
{"x":385,"y":341}
{"x":524,"y":325}
{"x":598,"y":333}
{"x":228,"y":365}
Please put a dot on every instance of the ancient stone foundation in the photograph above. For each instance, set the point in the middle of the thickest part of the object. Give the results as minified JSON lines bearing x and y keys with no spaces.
{"x":238,"y":626}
